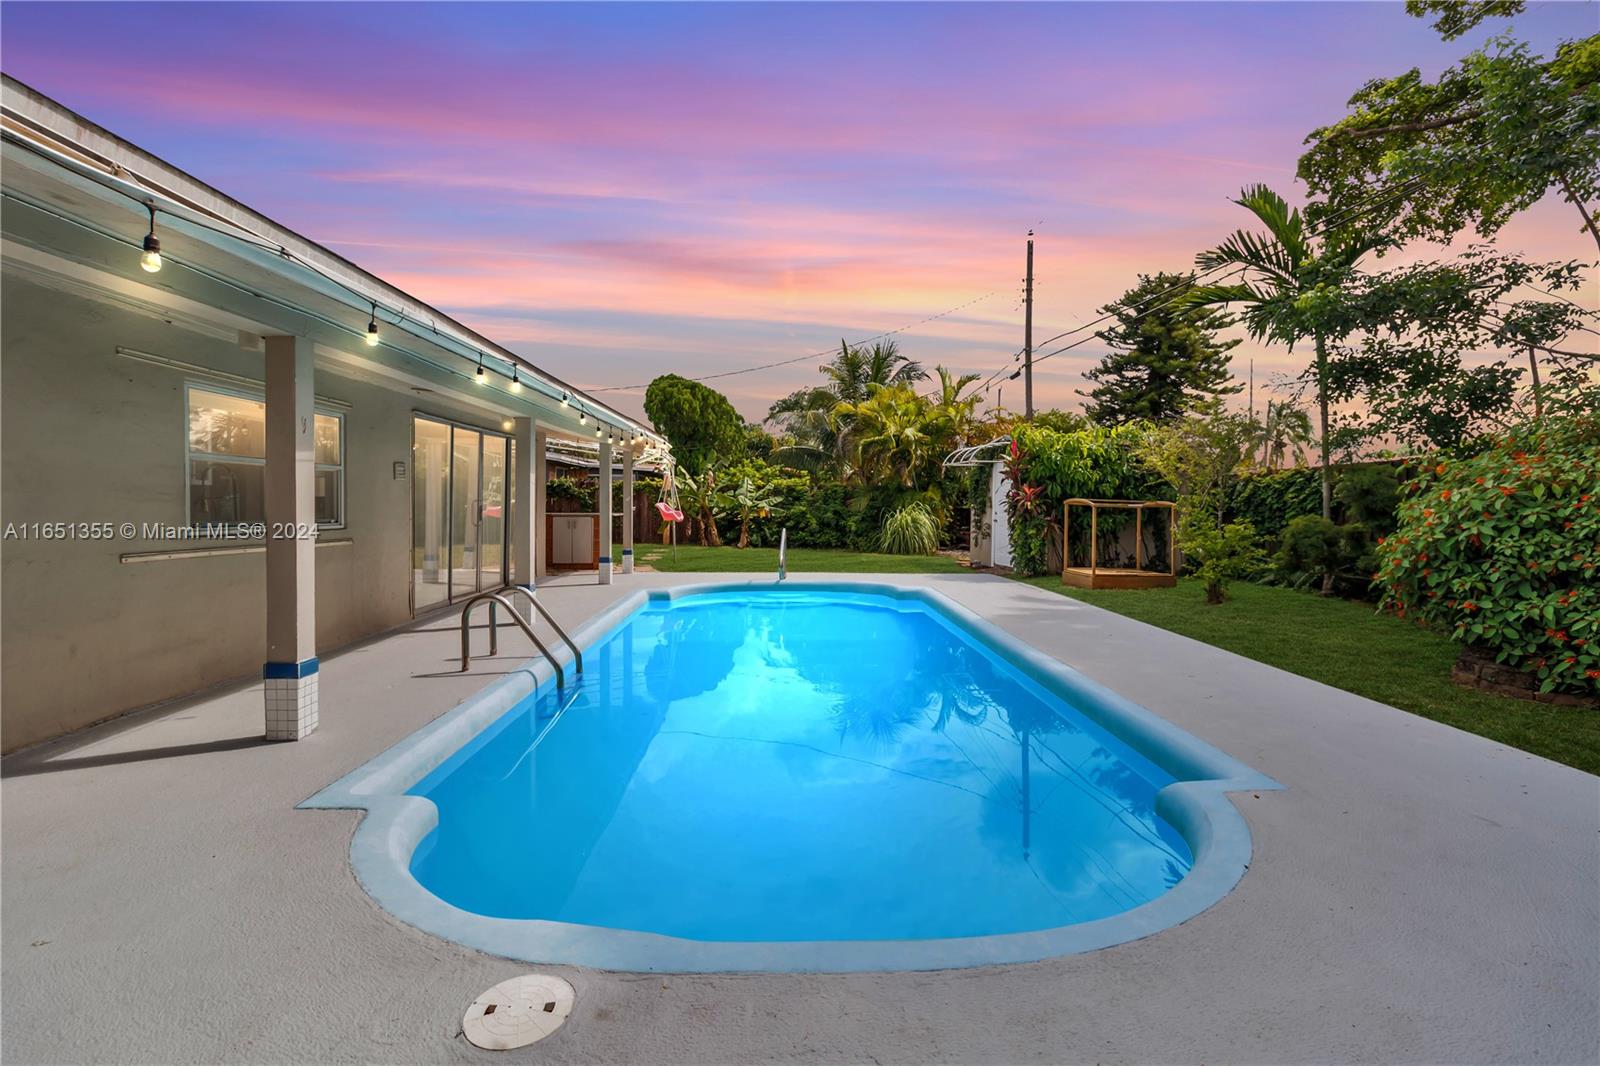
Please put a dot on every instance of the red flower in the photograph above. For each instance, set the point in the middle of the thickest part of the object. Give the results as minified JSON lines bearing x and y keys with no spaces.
{"x":1445,"y":495}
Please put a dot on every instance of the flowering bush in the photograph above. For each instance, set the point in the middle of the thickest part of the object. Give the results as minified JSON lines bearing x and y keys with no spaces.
{"x":1503,"y":548}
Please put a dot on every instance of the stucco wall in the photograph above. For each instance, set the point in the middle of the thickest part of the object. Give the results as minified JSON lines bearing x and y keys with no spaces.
{"x":91,"y":436}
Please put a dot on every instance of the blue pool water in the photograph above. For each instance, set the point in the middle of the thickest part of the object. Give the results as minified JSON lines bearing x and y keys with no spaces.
{"x":776,"y":765}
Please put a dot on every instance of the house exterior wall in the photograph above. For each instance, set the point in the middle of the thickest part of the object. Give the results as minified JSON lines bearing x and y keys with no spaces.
{"x":87,"y":435}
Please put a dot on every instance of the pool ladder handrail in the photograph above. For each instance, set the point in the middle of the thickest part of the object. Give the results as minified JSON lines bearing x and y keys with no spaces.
{"x":495,"y":598}
{"x":783,"y":554}
{"x":533,"y":601}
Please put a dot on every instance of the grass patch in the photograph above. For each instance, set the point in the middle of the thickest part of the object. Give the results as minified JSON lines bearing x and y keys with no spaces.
{"x":1349,"y":646}
{"x":695,"y":559}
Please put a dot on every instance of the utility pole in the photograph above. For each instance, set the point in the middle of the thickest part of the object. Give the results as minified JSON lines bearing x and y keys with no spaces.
{"x":1027,"y":336}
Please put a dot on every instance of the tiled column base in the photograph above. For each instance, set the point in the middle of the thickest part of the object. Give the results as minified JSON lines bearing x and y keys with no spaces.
{"x":605,"y":569}
{"x":627,"y":560}
{"x":291,"y":699}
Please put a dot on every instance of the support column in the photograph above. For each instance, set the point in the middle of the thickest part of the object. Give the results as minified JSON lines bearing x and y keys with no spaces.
{"x":602,"y":492}
{"x":627,"y":508}
{"x":290,"y":673}
{"x":523,"y":531}
{"x":541,"y":549}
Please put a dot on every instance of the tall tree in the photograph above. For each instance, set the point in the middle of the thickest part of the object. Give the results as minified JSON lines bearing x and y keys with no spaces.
{"x":698,"y":420}
{"x":1490,"y":137}
{"x":1165,"y":354}
{"x":1444,"y":348}
{"x":1291,"y":289}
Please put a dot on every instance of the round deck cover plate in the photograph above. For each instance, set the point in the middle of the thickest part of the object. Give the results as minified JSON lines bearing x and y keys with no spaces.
{"x":518,"y":1012}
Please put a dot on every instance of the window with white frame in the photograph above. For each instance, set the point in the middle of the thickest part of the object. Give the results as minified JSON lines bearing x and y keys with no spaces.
{"x":227,"y":460}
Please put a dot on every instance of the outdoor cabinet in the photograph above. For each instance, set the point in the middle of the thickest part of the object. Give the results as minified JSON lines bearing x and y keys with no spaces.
{"x":574,"y":540}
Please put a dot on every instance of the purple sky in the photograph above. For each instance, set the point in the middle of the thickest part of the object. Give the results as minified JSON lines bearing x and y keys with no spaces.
{"x":619,"y":191}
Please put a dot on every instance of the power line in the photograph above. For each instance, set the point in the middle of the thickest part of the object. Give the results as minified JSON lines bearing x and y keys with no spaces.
{"x":1190,"y":281}
{"x":813,"y":355}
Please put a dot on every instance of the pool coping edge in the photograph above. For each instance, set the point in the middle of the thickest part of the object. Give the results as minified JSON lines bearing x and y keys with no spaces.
{"x":1198,"y":806}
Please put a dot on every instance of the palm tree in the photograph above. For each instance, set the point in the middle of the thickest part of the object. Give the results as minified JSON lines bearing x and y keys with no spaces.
{"x":889,"y":433}
{"x":806,"y":415}
{"x":1289,"y":284}
{"x":1285,"y":433}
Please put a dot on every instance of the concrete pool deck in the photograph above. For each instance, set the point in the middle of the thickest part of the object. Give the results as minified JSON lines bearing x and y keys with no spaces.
{"x":1417,"y":893}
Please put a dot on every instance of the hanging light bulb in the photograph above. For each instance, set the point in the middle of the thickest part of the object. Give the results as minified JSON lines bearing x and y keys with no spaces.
{"x":583,"y":417}
{"x":565,"y":400}
{"x":482,"y":375}
{"x":372,"y":328}
{"x":516,"y":382}
{"x":151,"y":259}
{"x":597,"y":431}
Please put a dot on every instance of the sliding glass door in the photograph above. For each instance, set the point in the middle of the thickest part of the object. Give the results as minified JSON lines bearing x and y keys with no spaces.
{"x":458,"y":511}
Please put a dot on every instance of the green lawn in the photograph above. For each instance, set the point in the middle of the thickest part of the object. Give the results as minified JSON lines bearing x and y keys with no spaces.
{"x":1349,"y":646}
{"x":693,"y":558}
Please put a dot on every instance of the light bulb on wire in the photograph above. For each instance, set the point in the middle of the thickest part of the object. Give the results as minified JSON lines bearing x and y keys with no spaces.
{"x":372,"y":328}
{"x":482,"y":376}
{"x":151,"y":259}
{"x":516,"y":382}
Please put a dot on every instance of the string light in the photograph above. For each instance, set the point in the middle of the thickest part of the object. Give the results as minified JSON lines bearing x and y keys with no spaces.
{"x":151,"y":262}
{"x":151,"y":259}
{"x":583,"y":417}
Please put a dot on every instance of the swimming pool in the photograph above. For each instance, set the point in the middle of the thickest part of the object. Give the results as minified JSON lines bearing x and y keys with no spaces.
{"x":806,"y":776}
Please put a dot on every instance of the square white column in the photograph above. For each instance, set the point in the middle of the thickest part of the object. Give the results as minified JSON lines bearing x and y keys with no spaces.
{"x":627,"y":508}
{"x":602,"y":493}
{"x":290,"y":672}
{"x":541,"y":549}
{"x":523,"y":530}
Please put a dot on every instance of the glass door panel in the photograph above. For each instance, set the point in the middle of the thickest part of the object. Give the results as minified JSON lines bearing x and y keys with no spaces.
{"x":494,"y":511}
{"x":465,"y":511}
{"x":430,"y":513}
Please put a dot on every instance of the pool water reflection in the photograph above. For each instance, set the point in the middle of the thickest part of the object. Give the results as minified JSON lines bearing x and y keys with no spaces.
{"x":783,"y":765}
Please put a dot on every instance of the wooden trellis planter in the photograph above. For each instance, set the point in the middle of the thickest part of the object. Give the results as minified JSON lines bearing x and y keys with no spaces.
{"x":1095,"y":576}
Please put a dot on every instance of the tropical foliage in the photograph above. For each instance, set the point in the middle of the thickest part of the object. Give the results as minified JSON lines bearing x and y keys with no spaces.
{"x":1290,"y":288}
{"x":1502,"y":549}
{"x":1486,"y":139}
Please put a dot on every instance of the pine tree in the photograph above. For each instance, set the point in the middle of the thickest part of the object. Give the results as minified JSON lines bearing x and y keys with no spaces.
{"x":1165,"y":357}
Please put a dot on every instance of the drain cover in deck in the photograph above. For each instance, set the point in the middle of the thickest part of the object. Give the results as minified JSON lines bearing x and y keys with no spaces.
{"x":518,"y":1012}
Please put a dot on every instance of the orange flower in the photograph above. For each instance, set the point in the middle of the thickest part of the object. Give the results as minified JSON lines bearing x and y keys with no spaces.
{"x":1507,"y":490}
{"x":1477,"y":481}
{"x":1439,"y":469}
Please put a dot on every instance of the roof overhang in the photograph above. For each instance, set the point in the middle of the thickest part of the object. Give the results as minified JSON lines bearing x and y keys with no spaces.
{"x":78,"y":202}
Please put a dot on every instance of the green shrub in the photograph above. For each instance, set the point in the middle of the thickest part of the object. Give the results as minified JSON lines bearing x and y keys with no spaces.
{"x":1369,"y":494}
{"x":909,"y":530}
{"x":1502,"y":549}
{"x":1049,"y":466}
{"x":1218,"y":556}
{"x":1311,"y":548}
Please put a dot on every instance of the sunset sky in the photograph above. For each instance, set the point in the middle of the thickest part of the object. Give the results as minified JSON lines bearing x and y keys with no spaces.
{"x":618,"y":191}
